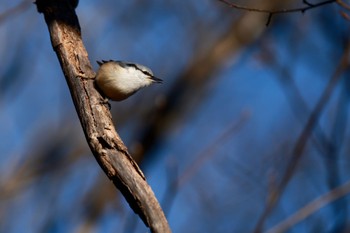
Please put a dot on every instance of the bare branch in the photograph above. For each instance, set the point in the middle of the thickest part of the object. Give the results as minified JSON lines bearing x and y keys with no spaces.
{"x":308,"y":6}
{"x":96,"y":120}
{"x":270,"y":13}
{"x":308,"y":3}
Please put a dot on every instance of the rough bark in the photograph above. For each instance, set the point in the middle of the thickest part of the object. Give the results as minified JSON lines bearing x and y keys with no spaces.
{"x":96,"y":120}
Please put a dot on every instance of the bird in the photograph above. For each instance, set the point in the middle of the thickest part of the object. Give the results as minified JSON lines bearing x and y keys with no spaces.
{"x":118,"y":79}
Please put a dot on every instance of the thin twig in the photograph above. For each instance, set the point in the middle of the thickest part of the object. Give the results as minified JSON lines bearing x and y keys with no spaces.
{"x":308,"y":6}
{"x":270,"y":13}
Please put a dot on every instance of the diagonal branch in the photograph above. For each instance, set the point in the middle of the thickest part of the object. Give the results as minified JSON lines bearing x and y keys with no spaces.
{"x":95,"y":118}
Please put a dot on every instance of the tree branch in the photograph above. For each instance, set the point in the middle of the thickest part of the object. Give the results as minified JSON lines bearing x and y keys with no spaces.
{"x":308,"y":6}
{"x":95,"y":117}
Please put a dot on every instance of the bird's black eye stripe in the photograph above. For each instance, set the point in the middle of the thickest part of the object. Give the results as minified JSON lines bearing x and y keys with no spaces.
{"x":145,"y":72}
{"x":136,"y":67}
{"x":123,"y":64}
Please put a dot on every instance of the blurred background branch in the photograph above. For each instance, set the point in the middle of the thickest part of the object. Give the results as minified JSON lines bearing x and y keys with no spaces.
{"x":271,"y":12}
{"x":311,"y":208}
{"x":301,"y":143}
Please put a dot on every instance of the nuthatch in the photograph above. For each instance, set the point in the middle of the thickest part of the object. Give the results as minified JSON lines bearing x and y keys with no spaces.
{"x":118,"y":80}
